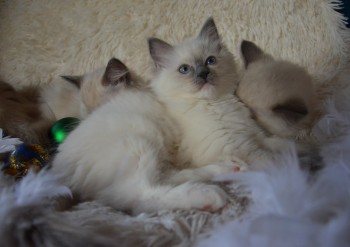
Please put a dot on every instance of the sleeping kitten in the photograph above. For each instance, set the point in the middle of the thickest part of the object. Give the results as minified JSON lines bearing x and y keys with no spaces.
{"x":123,"y":153}
{"x":21,"y":115}
{"x":283,"y":100}
{"x":280,"y":94}
{"x":195,"y":81}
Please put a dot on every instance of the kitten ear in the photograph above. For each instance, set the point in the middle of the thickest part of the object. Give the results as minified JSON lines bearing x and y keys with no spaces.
{"x":210,"y":32}
{"x":75,"y":80}
{"x":116,"y":72}
{"x":292,"y":110}
{"x":250,"y":52}
{"x":159,"y":51}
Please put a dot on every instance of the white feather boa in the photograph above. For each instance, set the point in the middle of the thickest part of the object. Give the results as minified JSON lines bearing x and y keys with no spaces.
{"x":7,"y":144}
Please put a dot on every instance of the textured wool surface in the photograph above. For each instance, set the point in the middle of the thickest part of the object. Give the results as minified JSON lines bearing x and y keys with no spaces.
{"x":41,"y":40}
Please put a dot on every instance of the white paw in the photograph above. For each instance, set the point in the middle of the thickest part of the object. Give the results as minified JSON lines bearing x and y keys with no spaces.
{"x":239,"y":165}
{"x":222,"y":168}
{"x":206,"y":197}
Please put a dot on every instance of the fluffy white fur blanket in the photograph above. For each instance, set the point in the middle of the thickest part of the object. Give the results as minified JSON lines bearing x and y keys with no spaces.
{"x":278,"y":207}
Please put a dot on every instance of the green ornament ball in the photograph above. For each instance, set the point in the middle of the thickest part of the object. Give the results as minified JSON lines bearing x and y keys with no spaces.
{"x":61,"y":128}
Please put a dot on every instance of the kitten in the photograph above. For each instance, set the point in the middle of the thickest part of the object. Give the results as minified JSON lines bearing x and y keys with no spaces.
{"x":196,"y":80}
{"x":82,"y":94}
{"x":281,"y":94}
{"x":123,"y":153}
{"x":30,"y":112}
{"x":21,"y":115}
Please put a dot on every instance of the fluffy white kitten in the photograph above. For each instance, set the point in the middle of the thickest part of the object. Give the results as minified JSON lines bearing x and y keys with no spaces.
{"x":122,"y":154}
{"x":196,"y":80}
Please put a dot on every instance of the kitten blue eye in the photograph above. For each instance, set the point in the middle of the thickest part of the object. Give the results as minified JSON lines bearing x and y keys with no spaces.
{"x":184,"y":69}
{"x":210,"y":60}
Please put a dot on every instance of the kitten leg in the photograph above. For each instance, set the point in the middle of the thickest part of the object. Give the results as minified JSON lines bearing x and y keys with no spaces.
{"x":205,"y":173}
{"x":144,"y":190}
{"x":130,"y":177}
{"x":184,"y":196}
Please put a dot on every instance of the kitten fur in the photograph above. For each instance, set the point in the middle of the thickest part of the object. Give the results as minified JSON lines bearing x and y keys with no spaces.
{"x":215,"y":125}
{"x":122,"y":154}
{"x":21,"y":115}
{"x":61,"y":99}
{"x":280,"y":94}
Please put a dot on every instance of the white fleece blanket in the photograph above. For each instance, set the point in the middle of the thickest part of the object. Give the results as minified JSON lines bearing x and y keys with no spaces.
{"x":278,"y":207}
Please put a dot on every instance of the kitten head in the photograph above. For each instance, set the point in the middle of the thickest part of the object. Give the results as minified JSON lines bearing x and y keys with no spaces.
{"x":98,"y":86}
{"x":280,"y":94}
{"x":198,"y":68}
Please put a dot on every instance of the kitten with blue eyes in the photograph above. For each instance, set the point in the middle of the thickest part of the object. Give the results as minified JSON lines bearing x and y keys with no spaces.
{"x":195,"y":81}
{"x":123,"y":153}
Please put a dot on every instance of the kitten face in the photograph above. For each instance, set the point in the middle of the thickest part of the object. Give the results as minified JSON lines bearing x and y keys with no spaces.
{"x":98,"y":86}
{"x":200,"y":68}
{"x":280,"y":94}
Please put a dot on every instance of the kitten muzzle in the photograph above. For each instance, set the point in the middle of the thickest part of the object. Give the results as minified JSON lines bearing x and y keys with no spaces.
{"x":202,"y":73}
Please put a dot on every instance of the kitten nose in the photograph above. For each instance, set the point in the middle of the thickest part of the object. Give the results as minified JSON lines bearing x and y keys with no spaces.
{"x":202,"y":72}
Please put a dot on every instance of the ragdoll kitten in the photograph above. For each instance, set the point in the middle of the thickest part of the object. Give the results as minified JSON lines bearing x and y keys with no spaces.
{"x":196,"y":80}
{"x":280,"y":94}
{"x":77,"y":96}
{"x":29,"y":113}
{"x":21,"y":114}
{"x":123,"y":153}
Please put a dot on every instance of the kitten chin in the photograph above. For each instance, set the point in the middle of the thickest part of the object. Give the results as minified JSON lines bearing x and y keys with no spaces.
{"x":280,"y":94}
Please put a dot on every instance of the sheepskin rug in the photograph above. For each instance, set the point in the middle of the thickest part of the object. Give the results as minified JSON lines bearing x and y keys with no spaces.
{"x":280,"y":206}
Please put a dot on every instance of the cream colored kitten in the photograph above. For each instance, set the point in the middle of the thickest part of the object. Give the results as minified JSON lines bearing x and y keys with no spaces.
{"x":82,"y":94}
{"x":195,"y":81}
{"x":123,"y":154}
{"x":280,"y":94}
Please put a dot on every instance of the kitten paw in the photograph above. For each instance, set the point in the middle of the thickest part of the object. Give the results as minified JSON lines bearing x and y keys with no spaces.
{"x":239,"y":165}
{"x":221,"y":168}
{"x":206,"y":197}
